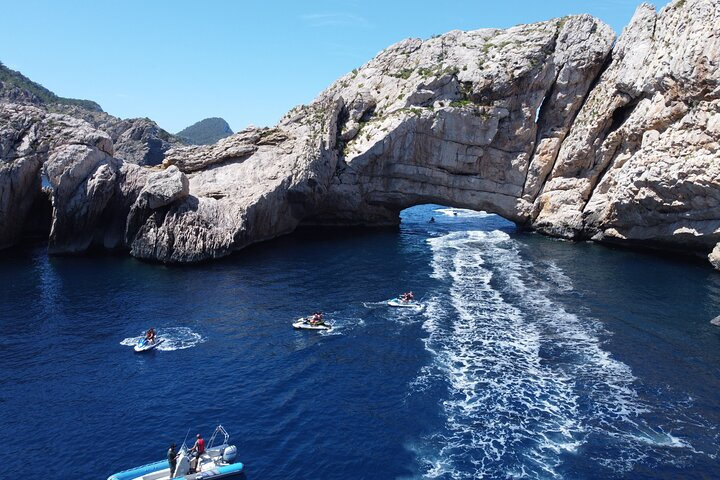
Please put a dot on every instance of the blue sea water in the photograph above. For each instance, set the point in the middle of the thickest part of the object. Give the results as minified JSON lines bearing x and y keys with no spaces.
{"x":533,"y":358}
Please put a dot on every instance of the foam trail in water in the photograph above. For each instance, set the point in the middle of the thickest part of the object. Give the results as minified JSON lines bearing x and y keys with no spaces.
{"x":175,"y":338}
{"x":528,"y":382}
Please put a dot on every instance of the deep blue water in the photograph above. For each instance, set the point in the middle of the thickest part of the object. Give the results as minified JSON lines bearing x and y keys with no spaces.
{"x":534,"y":358}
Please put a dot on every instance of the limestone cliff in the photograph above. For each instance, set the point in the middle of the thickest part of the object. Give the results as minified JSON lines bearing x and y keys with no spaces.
{"x":552,"y":125}
{"x":642,"y":162}
{"x":137,"y":140}
{"x":76,"y":159}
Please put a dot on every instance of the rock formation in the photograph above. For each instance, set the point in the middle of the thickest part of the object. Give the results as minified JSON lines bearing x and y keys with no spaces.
{"x":137,"y":140}
{"x":548,"y":124}
{"x":641,"y":164}
{"x":90,"y":189}
{"x":471,"y":119}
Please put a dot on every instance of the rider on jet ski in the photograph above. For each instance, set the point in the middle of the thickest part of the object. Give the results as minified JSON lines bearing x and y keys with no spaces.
{"x":150,"y":336}
{"x":317,"y":319}
{"x":407,"y":297}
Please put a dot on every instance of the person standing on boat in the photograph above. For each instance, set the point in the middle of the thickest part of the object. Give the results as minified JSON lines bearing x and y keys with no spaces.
{"x":199,"y":449}
{"x":172,"y":459}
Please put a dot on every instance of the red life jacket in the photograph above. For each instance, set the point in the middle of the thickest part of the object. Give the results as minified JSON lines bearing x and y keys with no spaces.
{"x":201,"y":446}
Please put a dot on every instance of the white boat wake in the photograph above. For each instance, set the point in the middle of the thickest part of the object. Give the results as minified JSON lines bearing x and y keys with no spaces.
{"x":175,"y":338}
{"x":528,"y":382}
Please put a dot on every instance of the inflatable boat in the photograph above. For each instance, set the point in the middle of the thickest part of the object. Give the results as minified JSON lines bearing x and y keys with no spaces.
{"x":217,"y":462}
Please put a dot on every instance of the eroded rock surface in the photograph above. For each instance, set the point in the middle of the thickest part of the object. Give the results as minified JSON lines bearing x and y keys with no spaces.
{"x":451,"y":119}
{"x":548,"y":124}
{"x":456,"y":119}
{"x":91,"y":190}
{"x":28,"y":136}
{"x":136,"y":140}
{"x":641,"y":164}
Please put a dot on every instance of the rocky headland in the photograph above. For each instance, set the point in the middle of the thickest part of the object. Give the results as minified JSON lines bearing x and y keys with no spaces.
{"x":555,"y":125}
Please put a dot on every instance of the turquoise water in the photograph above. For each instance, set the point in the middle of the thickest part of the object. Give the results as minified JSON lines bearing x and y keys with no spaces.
{"x":533,"y":358}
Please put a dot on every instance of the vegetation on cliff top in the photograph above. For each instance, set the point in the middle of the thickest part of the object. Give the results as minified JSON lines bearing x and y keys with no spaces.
{"x":20,"y":81}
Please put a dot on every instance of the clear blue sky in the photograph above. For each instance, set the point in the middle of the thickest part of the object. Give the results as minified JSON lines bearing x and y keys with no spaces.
{"x":249,"y":62}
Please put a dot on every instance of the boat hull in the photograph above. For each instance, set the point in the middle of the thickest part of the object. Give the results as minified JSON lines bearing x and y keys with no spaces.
{"x":225,"y":471}
{"x":302,"y":325}
{"x":148,"y":347}
{"x":140,"y":471}
{"x":397,"y":303}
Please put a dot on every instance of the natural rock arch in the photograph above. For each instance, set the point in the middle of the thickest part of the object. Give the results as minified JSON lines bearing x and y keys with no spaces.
{"x":472,"y":119}
{"x":548,"y":124}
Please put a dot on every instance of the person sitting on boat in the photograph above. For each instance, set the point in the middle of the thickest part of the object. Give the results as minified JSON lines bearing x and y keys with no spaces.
{"x":150,"y":335}
{"x":198,"y":448}
{"x":407,"y":297}
{"x":317,"y":319}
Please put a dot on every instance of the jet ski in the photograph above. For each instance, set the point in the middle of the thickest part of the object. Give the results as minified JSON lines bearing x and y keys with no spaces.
{"x":304,"y":324}
{"x":400,"y":303}
{"x":145,"y":346}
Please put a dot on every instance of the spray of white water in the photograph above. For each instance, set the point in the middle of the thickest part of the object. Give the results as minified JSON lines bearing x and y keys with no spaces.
{"x":174,"y":338}
{"x":528,"y":382}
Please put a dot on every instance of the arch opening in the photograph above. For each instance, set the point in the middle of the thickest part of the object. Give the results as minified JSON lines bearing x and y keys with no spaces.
{"x":39,"y":216}
{"x":441,"y":218}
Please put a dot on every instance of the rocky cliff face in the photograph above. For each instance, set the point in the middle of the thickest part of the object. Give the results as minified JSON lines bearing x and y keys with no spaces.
{"x":641,"y":164}
{"x":77,"y":161}
{"x":474,"y":119}
{"x":549,"y":125}
{"x":137,"y":140}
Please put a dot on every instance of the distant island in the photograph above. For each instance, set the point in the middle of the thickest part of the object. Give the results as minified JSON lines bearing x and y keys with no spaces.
{"x":206,"y":132}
